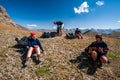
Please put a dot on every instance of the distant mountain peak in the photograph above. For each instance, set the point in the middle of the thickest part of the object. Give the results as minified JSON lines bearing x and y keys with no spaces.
{"x":90,"y":33}
{"x":5,"y":18}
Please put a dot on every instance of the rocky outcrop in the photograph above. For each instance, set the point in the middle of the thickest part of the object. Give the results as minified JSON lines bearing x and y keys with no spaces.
{"x":5,"y":18}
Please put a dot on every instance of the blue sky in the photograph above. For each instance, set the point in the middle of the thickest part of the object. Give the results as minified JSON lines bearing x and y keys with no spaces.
{"x":40,"y":14}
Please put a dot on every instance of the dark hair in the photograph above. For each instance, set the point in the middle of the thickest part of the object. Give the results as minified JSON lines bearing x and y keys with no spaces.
{"x":98,"y":36}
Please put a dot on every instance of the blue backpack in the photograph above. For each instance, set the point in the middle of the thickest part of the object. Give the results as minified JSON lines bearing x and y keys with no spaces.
{"x":46,"y":35}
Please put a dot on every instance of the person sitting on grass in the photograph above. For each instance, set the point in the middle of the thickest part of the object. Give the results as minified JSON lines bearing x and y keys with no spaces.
{"x":78,"y":33}
{"x":34,"y":45}
{"x":98,"y":51}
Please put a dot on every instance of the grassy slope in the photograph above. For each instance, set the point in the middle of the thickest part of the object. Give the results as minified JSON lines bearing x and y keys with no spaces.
{"x":5,"y":27}
{"x":56,"y":65}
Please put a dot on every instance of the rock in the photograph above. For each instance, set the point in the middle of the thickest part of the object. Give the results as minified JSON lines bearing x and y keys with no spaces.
{"x":5,"y":18}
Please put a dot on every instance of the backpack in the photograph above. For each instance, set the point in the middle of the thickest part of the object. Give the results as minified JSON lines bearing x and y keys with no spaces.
{"x":46,"y":35}
{"x":53,"y":34}
{"x":23,"y":41}
{"x":70,"y":36}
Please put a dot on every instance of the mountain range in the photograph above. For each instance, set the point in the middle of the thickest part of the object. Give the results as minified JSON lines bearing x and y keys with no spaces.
{"x":5,"y":19}
{"x":106,"y":31}
{"x":112,"y":33}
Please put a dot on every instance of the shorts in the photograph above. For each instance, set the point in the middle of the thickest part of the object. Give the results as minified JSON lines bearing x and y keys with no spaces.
{"x":99,"y":55}
{"x":34,"y":49}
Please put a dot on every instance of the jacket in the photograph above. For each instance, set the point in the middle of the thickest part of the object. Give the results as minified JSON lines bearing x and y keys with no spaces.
{"x":32,"y":42}
{"x":101,"y":44}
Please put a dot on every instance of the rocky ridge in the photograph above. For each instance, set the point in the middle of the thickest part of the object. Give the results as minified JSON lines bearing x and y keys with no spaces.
{"x":5,"y":18}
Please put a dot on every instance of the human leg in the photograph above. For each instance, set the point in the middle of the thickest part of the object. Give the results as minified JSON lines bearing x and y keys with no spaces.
{"x":81,"y":36}
{"x":37,"y":50}
{"x":60,"y":32}
{"x":103,"y":59}
{"x":94,"y":55}
{"x":77,"y":35}
{"x":38,"y":55}
{"x":29,"y":53}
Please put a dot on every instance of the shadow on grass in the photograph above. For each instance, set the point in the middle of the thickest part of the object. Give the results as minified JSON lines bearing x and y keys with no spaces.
{"x":23,"y":51}
{"x":85,"y":62}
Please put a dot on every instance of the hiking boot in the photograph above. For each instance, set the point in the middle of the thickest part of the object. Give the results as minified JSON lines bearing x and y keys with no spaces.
{"x":38,"y":60}
{"x":23,"y":63}
{"x":26,"y":62}
{"x":99,"y":65}
{"x":91,"y":70}
{"x":81,"y":37}
{"x":108,"y":62}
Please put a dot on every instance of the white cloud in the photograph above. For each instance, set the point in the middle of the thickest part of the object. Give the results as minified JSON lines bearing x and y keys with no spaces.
{"x":54,"y":27}
{"x":100,"y":3}
{"x":118,"y":21}
{"x":31,"y":25}
{"x":82,"y":8}
{"x":81,"y":28}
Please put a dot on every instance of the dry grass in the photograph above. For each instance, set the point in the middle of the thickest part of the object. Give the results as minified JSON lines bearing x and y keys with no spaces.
{"x":56,"y":65}
{"x":6,"y":27}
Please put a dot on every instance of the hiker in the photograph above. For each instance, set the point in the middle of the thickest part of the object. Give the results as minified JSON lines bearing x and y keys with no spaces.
{"x":34,"y":45}
{"x":98,"y":50}
{"x":78,"y":33}
{"x":60,"y":26}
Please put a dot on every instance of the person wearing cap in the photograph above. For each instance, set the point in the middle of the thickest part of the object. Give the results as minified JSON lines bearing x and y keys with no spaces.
{"x":60,"y":26}
{"x":34,"y":45}
{"x":98,"y":50}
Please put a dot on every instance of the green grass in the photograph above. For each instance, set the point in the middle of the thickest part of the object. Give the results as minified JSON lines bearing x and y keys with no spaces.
{"x":49,"y":59}
{"x":41,"y":71}
{"x":113,"y":56}
{"x":3,"y":52}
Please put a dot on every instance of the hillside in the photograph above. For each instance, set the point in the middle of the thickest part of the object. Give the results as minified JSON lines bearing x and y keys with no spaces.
{"x":114,"y":34}
{"x":5,"y":18}
{"x":6,"y":22}
{"x":55,"y":64}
